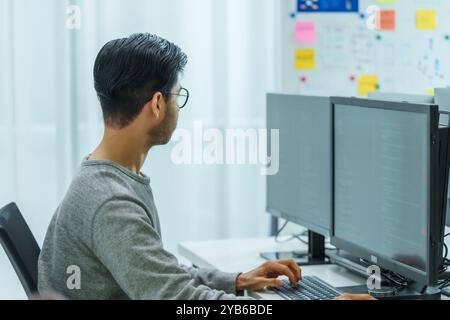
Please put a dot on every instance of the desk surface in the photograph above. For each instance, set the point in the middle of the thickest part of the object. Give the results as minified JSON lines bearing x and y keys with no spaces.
{"x":242,"y":255}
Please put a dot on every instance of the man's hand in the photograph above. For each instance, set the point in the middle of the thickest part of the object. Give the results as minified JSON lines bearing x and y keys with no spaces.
{"x":267,"y":274}
{"x":361,"y":297}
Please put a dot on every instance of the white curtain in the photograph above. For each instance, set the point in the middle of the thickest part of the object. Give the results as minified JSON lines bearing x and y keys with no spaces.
{"x":50,"y":117}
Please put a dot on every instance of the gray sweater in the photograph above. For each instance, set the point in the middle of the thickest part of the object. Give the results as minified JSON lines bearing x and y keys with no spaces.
{"x":107,"y":228}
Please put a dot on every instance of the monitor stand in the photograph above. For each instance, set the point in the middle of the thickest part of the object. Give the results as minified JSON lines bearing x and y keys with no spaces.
{"x":314,"y":256}
{"x":412,"y":292}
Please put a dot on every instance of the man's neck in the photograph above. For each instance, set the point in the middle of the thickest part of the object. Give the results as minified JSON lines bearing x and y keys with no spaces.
{"x":123,"y":148}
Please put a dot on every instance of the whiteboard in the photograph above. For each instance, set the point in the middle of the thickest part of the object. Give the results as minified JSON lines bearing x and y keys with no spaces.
{"x":408,"y":59}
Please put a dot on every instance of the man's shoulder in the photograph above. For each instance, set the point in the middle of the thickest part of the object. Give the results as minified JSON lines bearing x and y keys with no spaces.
{"x":100,"y":179}
{"x":91,"y":188}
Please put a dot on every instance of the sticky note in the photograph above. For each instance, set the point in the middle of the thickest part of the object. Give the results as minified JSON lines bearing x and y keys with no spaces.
{"x":426,"y":19}
{"x":386,"y":20}
{"x":367,"y":84}
{"x":305,"y":59}
{"x":386,"y":1}
{"x":305,"y":32}
{"x":430,"y":92}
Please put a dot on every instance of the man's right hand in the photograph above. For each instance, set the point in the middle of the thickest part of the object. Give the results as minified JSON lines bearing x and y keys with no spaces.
{"x":267,"y":275}
{"x":360,"y":297}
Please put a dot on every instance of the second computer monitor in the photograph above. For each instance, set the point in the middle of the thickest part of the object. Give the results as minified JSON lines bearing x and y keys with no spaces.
{"x":301,"y":191}
{"x":399,"y":97}
{"x":384,"y":181}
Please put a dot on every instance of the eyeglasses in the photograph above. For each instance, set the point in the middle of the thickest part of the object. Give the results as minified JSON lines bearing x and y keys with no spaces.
{"x":182,"y":97}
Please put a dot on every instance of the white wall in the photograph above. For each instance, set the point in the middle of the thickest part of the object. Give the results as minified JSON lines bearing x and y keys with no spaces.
{"x":50,"y":117}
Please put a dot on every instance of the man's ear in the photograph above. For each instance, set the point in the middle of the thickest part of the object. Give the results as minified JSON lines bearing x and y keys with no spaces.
{"x":157,"y":106}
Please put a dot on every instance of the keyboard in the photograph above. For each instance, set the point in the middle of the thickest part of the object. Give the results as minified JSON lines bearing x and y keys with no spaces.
{"x":309,"y":288}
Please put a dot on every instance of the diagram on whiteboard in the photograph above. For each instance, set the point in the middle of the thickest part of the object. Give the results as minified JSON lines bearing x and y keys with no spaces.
{"x":327,"y":6}
{"x":356,"y":47}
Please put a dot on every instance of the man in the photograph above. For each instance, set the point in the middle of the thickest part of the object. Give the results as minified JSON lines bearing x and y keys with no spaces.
{"x":104,"y":241}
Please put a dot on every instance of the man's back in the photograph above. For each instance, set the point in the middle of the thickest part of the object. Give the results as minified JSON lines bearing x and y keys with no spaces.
{"x":70,"y":239}
{"x":107,"y":228}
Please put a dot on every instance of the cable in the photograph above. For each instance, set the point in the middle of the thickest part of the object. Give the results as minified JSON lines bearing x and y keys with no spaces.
{"x":392,"y":277}
{"x":397,"y":282}
{"x":282,"y":228}
{"x":445,"y":262}
{"x":445,"y":284}
{"x":292,"y":237}
{"x":277,"y":240}
{"x":446,"y":251}
{"x":298,"y":236}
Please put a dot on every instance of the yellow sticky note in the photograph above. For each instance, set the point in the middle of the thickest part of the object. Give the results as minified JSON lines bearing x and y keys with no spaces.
{"x":430,"y":92}
{"x":426,"y":19}
{"x":367,"y":84}
{"x":305,"y":59}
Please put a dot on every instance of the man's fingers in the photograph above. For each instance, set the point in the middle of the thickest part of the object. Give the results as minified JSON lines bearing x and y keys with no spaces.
{"x":273,"y":283}
{"x":291,"y":264}
{"x":282,"y":270}
{"x":361,"y":297}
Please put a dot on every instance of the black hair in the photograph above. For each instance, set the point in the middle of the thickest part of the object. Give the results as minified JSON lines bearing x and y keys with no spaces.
{"x":129,"y":71}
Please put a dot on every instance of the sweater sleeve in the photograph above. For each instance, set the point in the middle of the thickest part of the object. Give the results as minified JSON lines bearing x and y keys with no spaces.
{"x":127,"y":244}
{"x":214,"y":278}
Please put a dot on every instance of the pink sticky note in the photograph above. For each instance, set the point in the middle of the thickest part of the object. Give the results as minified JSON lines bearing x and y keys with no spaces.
{"x":305,"y":32}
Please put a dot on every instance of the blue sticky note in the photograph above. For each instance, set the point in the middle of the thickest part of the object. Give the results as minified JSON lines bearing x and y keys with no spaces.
{"x":328,"y":5}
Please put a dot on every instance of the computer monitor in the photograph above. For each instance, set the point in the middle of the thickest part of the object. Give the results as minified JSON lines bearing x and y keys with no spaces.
{"x":301,"y":191}
{"x":401,"y":97}
{"x":442,"y":98}
{"x":386,"y":180}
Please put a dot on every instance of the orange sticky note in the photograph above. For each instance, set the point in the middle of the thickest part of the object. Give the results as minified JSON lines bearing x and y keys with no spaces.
{"x":386,"y":20}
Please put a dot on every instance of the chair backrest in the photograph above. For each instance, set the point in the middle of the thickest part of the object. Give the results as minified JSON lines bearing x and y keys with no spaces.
{"x":20,"y":246}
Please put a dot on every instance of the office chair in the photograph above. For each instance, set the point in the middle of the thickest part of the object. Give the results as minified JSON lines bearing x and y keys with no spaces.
{"x":20,"y":246}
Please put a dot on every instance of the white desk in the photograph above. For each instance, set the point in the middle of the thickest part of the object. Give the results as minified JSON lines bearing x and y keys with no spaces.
{"x":242,"y":255}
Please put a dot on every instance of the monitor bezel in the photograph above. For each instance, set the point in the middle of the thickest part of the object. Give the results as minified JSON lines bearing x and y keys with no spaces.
{"x":429,"y":277}
{"x":275,"y":212}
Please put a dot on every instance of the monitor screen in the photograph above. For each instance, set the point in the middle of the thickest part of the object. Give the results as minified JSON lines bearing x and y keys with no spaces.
{"x":301,"y":191}
{"x":382,"y":182}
